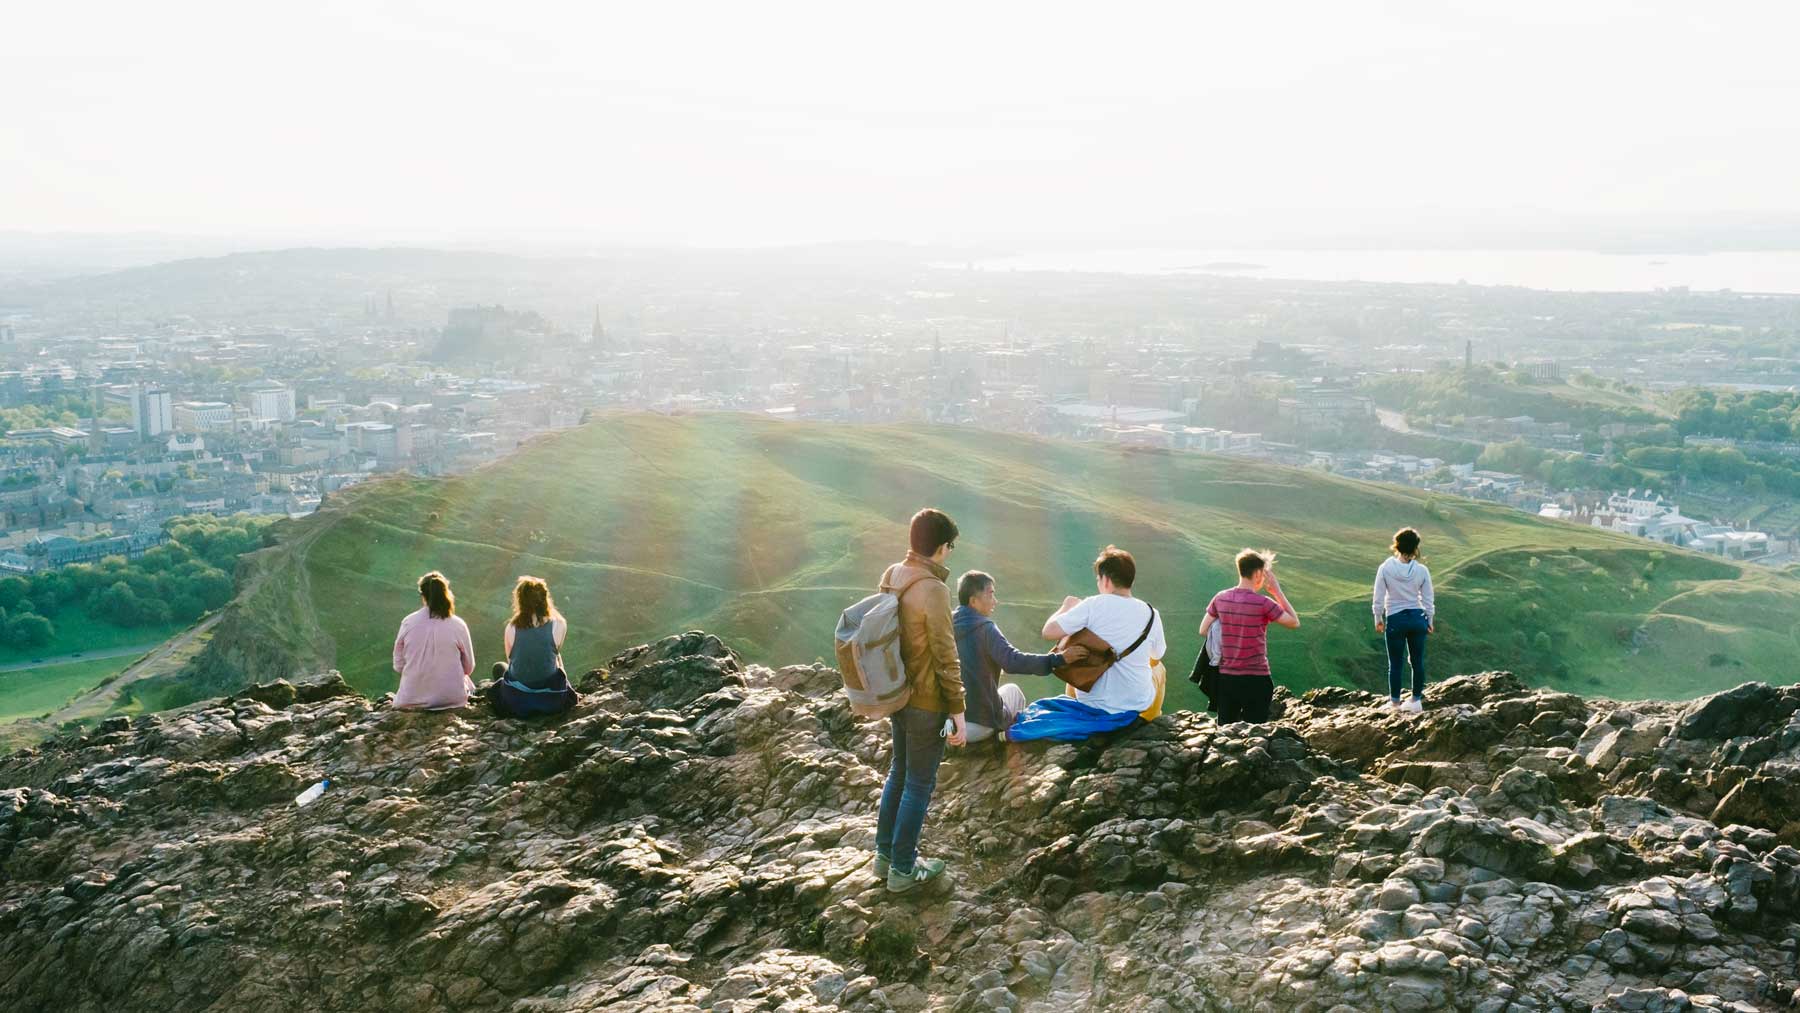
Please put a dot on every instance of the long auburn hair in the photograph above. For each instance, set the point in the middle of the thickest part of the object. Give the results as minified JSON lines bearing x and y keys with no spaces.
{"x":434,"y":587}
{"x":532,"y":604}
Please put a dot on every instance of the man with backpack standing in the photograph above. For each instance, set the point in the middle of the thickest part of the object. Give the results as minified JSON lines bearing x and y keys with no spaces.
{"x":934,"y":679}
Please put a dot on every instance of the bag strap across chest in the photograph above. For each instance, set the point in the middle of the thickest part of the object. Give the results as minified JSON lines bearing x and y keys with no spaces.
{"x":1135,"y":644}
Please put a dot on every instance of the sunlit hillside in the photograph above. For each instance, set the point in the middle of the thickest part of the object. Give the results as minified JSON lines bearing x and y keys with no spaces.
{"x":762,"y":531}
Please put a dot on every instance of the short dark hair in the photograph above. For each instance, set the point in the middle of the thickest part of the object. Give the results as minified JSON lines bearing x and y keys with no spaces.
{"x":1116,"y":565}
{"x":1406,"y":542}
{"x":1249,"y":561}
{"x":972,"y":583}
{"x":932,"y":528}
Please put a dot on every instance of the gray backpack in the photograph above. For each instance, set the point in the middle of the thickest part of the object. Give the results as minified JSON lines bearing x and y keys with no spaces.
{"x":868,"y":652}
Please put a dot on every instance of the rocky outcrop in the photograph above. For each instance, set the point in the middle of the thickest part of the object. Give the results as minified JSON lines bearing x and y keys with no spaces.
{"x":697,"y":835}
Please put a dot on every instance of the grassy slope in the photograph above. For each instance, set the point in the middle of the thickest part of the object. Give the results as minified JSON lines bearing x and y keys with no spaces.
{"x":1599,"y":397}
{"x":76,"y":631}
{"x":1489,"y":393}
{"x":763,"y":531}
{"x":32,"y":692}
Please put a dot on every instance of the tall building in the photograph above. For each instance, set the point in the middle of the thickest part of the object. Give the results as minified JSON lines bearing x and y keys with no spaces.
{"x":272,"y":404}
{"x":152,"y":411}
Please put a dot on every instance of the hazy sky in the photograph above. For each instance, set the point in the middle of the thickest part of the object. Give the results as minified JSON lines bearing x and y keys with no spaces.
{"x":781,"y":122}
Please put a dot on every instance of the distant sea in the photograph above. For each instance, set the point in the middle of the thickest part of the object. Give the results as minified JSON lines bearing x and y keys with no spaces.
{"x":1775,"y":271}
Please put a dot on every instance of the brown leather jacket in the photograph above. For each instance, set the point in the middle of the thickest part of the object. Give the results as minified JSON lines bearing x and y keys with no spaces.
{"x":927,"y":640}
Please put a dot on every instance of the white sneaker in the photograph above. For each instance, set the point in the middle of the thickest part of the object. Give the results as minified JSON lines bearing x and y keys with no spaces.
{"x":1413,"y":705}
{"x":1393,"y":705}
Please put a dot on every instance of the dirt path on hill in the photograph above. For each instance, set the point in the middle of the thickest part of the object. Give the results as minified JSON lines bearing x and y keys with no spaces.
{"x":80,"y":656}
{"x":101,"y":697}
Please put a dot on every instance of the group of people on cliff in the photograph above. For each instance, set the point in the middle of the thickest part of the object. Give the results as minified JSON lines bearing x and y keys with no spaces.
{"x":953,"y":657}
{"x":435,"y":655}
{"x":953,"y":660}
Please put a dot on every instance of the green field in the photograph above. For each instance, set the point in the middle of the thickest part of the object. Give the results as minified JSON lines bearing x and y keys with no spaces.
{"x":32,"y":692}
{"x":1484,"y":390}
{"x":762,"y":531}
{"x":77,"y":631}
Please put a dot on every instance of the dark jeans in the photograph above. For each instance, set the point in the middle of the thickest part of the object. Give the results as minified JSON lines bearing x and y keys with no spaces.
{"x":1406,"y":635}
{"x":1244,"y":698}
{"x":512,"y":702}
{"x":911,"y":777}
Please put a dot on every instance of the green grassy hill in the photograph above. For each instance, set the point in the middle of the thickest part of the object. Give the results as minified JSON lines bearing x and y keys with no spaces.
{"x":762,"y":531}
{"x":1485,"y":390}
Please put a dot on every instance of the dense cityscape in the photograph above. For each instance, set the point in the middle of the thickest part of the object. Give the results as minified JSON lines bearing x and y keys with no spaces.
{"x":120,"y":415}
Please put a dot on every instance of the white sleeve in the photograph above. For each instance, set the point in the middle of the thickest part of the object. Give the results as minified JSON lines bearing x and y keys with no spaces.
{"x":1076,"y":618}
{"x":1159,"y":646}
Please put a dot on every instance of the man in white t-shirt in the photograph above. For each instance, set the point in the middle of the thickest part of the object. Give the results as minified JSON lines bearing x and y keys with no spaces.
{"x":1119,"y":619}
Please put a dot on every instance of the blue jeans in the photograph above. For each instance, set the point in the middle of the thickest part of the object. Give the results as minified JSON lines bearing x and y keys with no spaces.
{"x":1406,"y":635}
{"x":917,"y":750}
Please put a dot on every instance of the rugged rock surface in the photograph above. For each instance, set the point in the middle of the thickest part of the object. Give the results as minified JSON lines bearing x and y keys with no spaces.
{"x":696,"y":836}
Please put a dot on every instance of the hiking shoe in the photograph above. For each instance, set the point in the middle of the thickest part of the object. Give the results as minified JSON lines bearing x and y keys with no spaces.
{"x":1413,"y":705}
{"x":925,"y":871}
{"x":882,"y":865}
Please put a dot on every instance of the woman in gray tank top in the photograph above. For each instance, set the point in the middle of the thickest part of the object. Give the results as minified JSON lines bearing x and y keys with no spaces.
{"x":531,"y":680}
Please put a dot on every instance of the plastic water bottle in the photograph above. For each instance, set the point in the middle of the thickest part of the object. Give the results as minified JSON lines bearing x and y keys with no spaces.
{"x":312,"y":793}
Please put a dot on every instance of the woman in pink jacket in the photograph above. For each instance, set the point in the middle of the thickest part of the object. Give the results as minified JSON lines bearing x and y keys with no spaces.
{"x":433,"y":652}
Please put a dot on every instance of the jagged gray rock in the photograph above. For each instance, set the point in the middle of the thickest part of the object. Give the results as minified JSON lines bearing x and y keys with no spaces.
{"x":696,"y":836}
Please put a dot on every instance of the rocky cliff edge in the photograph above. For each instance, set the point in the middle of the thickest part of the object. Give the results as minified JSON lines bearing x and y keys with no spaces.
{"x":697,"y":836}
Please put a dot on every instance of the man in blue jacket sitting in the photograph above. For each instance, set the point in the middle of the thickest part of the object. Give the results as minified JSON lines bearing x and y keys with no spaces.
{"x":986,"y":653}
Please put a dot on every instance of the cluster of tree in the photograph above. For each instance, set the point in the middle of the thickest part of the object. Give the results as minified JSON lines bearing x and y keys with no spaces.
{"x":1601,"y":383}
{"x":1642,"y":466}
{"x":1721,"y":464}
{"x":57,"y":410}
{"x":178,"y":581}
{"x":1660,"y":450}
{"x":1769,"y":416}
{"x":1558,"y":470}
{"x":1454,"y":393}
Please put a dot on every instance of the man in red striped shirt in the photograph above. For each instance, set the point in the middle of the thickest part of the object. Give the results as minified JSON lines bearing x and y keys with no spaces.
{"x":1244,"y":615}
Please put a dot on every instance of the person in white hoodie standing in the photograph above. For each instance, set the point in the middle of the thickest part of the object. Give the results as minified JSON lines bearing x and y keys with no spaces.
{"x":1406,"y":612}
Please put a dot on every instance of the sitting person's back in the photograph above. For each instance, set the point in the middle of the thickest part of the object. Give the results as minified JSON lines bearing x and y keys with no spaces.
{"x":433,"y":652}
{"x":532,"y":659}
{"x":532,"y":680}
{"x":1133,"y":632}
